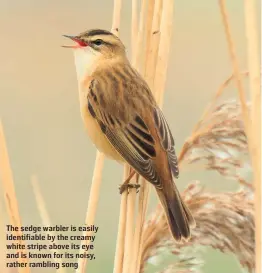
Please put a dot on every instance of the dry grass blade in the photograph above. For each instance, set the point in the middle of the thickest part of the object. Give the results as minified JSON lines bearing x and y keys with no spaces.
{"x":220,"y":141}
{"x":45,"y":218}
{"x":10,"y":195}
{"x":225,"y":221}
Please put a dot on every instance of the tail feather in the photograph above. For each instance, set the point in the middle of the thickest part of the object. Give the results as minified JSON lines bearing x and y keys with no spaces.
{"x":179,"y":217}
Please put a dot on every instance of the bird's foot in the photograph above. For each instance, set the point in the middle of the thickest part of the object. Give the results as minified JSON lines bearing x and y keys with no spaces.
{"x":124,"y":187}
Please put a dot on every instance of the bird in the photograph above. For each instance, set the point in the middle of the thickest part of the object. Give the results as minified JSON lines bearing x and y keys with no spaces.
{"x":124,"y":121}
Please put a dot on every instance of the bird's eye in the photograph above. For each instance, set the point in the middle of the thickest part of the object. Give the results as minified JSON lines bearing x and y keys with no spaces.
{"x":98,"y":42}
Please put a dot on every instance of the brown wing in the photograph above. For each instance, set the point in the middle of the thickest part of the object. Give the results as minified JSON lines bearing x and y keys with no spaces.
{"x":131,"y":136}
{"x":132,"y":139}
{"x":167,"y":140}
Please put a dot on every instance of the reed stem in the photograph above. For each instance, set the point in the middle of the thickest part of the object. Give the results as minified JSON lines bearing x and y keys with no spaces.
{"x":255,"y":94}
{"x":92,"y":206}
{"x":10,"y":197}
{"x":252,"y":118}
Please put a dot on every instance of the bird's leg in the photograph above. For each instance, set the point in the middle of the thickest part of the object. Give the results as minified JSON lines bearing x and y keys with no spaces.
{"x":126,"y":184}
{"x":137,"y":183}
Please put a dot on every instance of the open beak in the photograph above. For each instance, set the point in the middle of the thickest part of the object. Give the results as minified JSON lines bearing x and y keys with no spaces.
{"x":79,"y":42}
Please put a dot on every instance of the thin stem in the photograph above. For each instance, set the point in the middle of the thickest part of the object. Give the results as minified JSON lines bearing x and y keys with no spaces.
{"x":138,"y":64}
{"x":116,"y":16}
{"x":235,"y":65}
{"x":164,"y":48}
{"x":153,"y":45}
{"x":129,"y":230}
{"x":134,"y":30}
{"x":10,"y":196}
{"x":254,"y":84}
{"x":120,"y":244}
{"x":119,"y":254}
{"x":165,"y":12}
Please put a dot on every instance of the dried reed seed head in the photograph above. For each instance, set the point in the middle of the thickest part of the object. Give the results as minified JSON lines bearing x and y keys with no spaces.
{"x":220,"y":143}
{"x":185,"y":265}
{"x":225,"y":221}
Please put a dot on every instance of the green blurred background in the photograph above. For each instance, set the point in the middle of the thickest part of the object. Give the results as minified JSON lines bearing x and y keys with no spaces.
{"x":40,"y":112}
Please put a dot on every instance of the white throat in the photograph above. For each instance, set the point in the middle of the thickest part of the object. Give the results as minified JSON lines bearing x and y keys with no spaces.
{"x":85,"y":62}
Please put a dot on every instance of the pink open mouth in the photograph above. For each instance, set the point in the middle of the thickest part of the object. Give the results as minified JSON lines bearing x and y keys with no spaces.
{"x":79,"y":42}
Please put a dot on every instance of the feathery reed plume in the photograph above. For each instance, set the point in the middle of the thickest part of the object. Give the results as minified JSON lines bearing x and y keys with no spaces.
{"x":220,"y":141}
{"x":10,"y":196}
{"x":45,"y":218}
{"x":225,"y":221}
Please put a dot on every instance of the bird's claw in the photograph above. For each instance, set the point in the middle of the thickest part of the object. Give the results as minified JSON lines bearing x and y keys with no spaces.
{"x":124,"y":187}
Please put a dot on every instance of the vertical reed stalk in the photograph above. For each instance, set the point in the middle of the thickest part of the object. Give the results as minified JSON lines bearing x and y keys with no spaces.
{"x":149,"y":24}
{"x":134,"y":30}
{"x":164,"y":48}
{"x":10,"y":196}
{"x":151,"y":54}
{"x":137,"y":59}
{"x":255,"y":94}
{"x":153,"y":44}
{"x":252,"y":119}
{"x":97,"y":176}
{"x":137,"y":46}
{"x":3,"y":240}
{"x":235,"y":64}
{"x":129,"y":238}
{"x":163,"y":12}
{"x":92,"y":206}
{"x":120,"y":244}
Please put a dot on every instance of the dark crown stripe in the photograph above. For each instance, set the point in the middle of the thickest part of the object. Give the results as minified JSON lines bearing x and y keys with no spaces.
{"x":95,"y":32}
